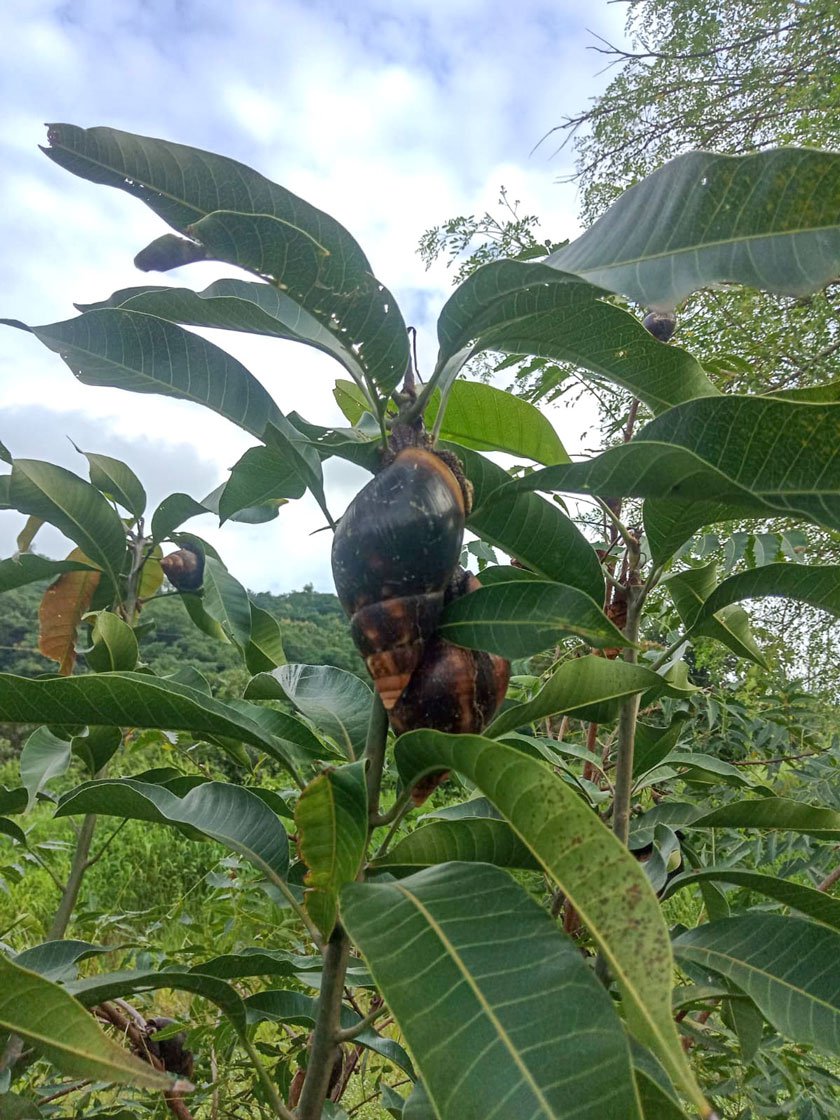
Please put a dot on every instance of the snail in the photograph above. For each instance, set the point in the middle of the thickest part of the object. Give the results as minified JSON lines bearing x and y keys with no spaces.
{"x":453,"y":689}
{"x":185,"y":568}
{"x":393,"y":554}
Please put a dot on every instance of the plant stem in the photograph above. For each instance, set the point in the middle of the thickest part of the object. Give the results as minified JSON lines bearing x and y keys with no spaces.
{"x":377,"y":738}
{"x":277,"y":1106}
{"x":325,"y":1034}
{"x":627,"y":726}
{"x":74,"y":881}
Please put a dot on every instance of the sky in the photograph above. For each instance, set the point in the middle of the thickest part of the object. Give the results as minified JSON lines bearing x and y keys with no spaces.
{"x":391,"y":117}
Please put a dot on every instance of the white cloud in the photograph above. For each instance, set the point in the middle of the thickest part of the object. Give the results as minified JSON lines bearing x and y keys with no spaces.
{"x":390,"y":118}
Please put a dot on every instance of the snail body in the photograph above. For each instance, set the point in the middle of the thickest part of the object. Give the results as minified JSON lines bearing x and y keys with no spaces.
{"x":393,"y":555}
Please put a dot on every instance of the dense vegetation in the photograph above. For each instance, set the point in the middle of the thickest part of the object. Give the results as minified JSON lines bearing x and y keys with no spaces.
{"x":573,"y":853}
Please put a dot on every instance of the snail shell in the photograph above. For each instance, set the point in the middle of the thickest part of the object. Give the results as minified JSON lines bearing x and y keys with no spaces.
{"x":453,"y":689}
{"x":393,"y":553}
{"x":184,"y":569}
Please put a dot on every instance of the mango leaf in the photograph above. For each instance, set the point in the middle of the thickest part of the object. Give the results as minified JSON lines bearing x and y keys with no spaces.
{"x":524,"y":617}
{"x":519,"y":308}
{"x":44,"y":1015}
{"x":489,"y":419}
{"x":12,"y":830}
{"x":151,"y":576}
{"x":238,"y":305}
{"x":261,"y":477}
{"x":264,"y":650}
{"x":715,"y":459}
{"x":252,"y":962}
{"x":602,"y":880}
{"x":768,"y":219}
{"x":549,"y":1045}
{"x":527,"y":527}
{"x":229,"y":814}
{"x":818,"y":586}
{"x":269,"y":230}
{"x":590,"y":688}
{"x":141,"y":354}
{"x":730,"y":626}
{"x":815,"y":904}
{"x":44,"y":756}
{"x":116,"y":481}
{"x":337,"y":702}
{"x":332,"y":823}
{"x":96,"y":746}
{"x":332,"y":284}
{"x":787,"y":966}
{"x":140,"y":700}
{"x":17,"y":571}
{"x":113,"y":644}
{"x":477,"y":840}
{"x":418,"y":1106}
{"x":653,"y":744}
{"x":61,"y":610}
{"x":56,"y":960}
{"x":172,"y":512}
{"x":13,"y":1107}
{"x":226,"y":601}
{"x":73,"y":506}
{"x":774,"y":813}
{"x":294,"y":1007}
{"x":114,"y":985}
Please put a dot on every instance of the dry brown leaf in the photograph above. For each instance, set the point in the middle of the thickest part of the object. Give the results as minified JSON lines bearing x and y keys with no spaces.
{"x":61,"y":610}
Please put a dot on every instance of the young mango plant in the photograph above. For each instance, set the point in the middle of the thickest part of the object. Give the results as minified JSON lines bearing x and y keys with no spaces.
{"x":515,"y":940}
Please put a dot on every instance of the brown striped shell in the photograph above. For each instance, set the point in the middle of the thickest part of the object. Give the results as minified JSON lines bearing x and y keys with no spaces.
{"x":393,"y":553}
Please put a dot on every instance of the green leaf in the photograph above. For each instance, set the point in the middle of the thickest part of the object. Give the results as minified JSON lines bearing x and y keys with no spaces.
{"x":337,"y":702}
{"x":332,"y":284}
{"x":114,"y":985}
{"x":73,"y":506}
{"x":295,"y":1007}
{"x":44,"y":756}
{"x":12,"y":830}
{"x":140,"y":700}
{"x":534,"y":531}
{"x":116,"y":481}
{"x":518,"y":308}
{"x":815,"y":904}
{"x":489,"y":419}
{"x":263,"y":476}
{"x":332,"y":822}
{"x":768,"y":219}
{"x":818,"y":586}
{"x":477,"y":840}
{"x":524,"y":617}
{"x":590,"y":688}
{"x":266,"y":228}
{"x":544,"y":1036}
{"x":653,"y":744}
{"x":17,"y":571}
{"x":172,"y":512}
{"x":229,"y":814}
{"x":13,"y":1107}
{"x":96,"y":746}
{"x":774,"y":813}
{"x":787,"y":966}
{"x":141,"y":354}
{"x":713,"y":460}
{"x":226,"y":601}
{"x":56,"y":960}
{"x":418,"y":1106}
{"x":113,"y":644}
{"x":264,"y":650}
{"x":13,"y":800}
{"x":602,"y":880}
{"x":730,"y":626}
{"x":44,"y":1015}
